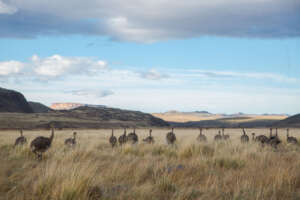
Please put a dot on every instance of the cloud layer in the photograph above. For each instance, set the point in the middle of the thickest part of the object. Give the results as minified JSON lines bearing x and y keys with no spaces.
{"x":149,"y":21}
{"x":91,"y":93}
{"x":55,"y":66}
{"x":6,"y":9}
{"x":12,"y":67}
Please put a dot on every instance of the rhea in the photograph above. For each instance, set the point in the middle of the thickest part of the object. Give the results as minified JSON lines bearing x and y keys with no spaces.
{"x":274,"y":140}
{"x":71,"y":142}
{"x":41,"y":144}
{"x":244,"y":137}
{"x":21,"y":140}
{"x":123,"y":138}
{"x":201,"y":137}
{"x":218,"y":137}
{"x":149,"y":139}
{"x":225,"y":137}
{"x":261,"y":139}
{"x":113,"y":139}
{"x":171,"y":137}
{"x":290,"y":139}
{"x":132,"y":137}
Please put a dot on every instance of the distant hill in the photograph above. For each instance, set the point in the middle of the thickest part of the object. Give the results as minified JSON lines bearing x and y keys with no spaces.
{"x":39,"y":108}
{"x":12,"y":101}
{"x":16,"y":112}
{"x":81,"y":117}
{"x":185,"y":117}
{"x":293,"y":121}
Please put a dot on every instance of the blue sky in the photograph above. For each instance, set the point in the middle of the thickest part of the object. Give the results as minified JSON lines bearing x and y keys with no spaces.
{"x":221,"y":56}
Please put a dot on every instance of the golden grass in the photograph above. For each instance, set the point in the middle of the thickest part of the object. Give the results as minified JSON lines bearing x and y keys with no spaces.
{"x":188,"y":170}
{"x":186,"y":117}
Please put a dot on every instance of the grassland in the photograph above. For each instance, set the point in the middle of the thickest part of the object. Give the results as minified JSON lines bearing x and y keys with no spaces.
{"x":193,"y":117}
{"x":189,"y":170}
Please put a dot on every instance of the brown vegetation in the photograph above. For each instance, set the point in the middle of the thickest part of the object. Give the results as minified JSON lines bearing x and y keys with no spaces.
{"x":189,"y":170}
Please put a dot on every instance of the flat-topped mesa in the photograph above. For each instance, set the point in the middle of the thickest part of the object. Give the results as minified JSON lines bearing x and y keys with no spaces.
{"x":65,"y":106}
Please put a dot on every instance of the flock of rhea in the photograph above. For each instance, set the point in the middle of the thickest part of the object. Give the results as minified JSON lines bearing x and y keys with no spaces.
{"x":41,"y":144}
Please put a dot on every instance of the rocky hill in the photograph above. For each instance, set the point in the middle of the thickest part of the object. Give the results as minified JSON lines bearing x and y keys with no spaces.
{"x":12,"y":101}
{"x":82,"y":117}
{"x":293,"y":121}
{"x":39,"y":108}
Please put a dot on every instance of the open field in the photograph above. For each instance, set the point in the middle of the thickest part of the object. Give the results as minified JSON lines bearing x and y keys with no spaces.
{"x":193,"y":117}
{"x":189,"y":170}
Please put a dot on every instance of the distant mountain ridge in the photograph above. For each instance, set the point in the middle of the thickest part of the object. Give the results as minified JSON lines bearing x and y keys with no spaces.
{"x":182,"y":117}
{"x":16,"y":112}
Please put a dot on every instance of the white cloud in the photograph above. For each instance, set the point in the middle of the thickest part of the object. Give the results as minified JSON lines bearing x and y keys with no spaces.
{"x":239,"y":75}
{"x":153,"y":75}
{"x":149,"y":21}
{"x":7,"y":9}
{"x":57,"y":65}
{"x":91,"y":93}
{"x":10,"y":68}
{"x":61,"y":67}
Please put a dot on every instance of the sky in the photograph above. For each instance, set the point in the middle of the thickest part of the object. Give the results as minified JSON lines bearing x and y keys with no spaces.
{"x":221,"y":56}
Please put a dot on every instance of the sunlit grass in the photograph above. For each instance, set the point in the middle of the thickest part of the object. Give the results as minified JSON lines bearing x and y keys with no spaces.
{"x":187,"y":170}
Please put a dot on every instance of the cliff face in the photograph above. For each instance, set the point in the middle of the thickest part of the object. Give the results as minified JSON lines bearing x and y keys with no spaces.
{"x":65,"y":106}
{"x":12,"y":101}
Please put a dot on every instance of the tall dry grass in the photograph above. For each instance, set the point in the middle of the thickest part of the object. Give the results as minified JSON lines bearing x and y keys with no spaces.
{"x":189,"y":170}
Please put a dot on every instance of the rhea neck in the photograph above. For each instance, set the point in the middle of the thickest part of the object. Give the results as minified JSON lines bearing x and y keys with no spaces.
{"x":74,"y":135}
{"x":112,"y":132}
{"x":270,"y":132}
{"x":124,"y":131}
{"x":150,"y":132}
{"x":21,"y":133}
{"x":52,"y":134}
{"x":244,"y":132}
{"x":287,"y":132}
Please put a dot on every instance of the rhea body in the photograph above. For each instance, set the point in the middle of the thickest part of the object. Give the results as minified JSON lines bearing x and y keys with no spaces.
{"x":123,"y":138}
{"x":71,"y":141}
{"x":41,"y":144}
{"x":171,"y":137}
{"x":201,"y":137}
{"x":132,"y":137}
{"x":244,"y":137}
{"x":218,"y":137}
{"x":149,"y":139}
{"x":21,"y":140}
{"x":290,"y":139}
{"x":224,"y":137}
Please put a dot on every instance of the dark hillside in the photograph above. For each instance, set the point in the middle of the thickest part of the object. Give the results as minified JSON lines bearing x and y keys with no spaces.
{"x":12,"y":101}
